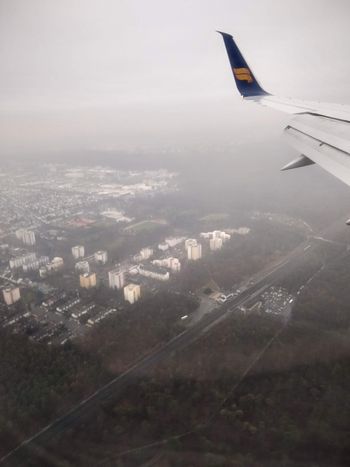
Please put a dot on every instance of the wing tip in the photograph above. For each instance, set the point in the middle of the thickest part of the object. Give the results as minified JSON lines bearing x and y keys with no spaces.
{"x":224,"y":33}
{"x":246,"y":82}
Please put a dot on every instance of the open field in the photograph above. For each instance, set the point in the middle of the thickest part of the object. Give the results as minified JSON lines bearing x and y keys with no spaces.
{"x":146,"y":225}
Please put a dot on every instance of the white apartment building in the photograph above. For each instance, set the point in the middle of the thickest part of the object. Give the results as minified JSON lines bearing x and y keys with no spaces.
{"x":154,"y":273}
{"x":78,"y":251}
{"x":170,"y":263}
{"x":82,"y":266}
{"x":26,"y":236}
{"x":36,"y":264}
{"x":53,"y":266}
{"x":87,"y":281}
{"x":189,"y":242}
{"x":101,"y":256}
{"x":215,"y":234}
{"x":215,"y":243}
{"x":19,"y":261}
{"x":175,"y":265}
{"x":194,"y":251}
{"x":132,"y":293}
{"x":146,"y":253}
{"x":219,"y":234}
{"x":173,"y":241}
{"x":56,"y":264}
{"x":116,"y":279}
{"x":11,"y":295}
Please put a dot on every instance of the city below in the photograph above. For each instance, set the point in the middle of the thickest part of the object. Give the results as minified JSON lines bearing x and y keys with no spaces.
{"x":43,"y":214}
{"x":108,"y":276}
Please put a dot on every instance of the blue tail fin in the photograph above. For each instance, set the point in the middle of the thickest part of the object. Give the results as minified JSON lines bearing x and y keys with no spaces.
{"x":246,"y":82}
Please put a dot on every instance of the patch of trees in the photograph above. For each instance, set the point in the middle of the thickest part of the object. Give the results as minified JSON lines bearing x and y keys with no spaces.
{"x":39,"y":383}
{"x":327,"y":299}
{"x":138,"y":329}
{"x":292,"y":408}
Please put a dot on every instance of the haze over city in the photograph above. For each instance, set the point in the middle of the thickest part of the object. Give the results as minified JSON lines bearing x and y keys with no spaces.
{"x":168,"y":296}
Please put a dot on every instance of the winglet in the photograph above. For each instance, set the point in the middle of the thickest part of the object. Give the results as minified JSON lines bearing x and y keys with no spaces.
{"x":246,"y":82}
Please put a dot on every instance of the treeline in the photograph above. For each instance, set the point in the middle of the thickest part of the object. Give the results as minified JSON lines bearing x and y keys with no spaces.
{"x":39,"y":383}
{"x":291,"y":408}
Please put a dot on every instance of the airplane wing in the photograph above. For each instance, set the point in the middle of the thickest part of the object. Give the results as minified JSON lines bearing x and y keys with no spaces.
{"x":320,"y":133}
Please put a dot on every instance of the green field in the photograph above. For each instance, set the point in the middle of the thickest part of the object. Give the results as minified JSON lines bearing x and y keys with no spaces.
{"x":146,"y":225}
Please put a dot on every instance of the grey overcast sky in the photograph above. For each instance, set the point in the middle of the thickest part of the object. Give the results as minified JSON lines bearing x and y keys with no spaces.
{"x":128,"y":74}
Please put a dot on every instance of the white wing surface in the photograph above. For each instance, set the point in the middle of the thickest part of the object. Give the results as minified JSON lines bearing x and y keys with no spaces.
{"x":319,"y":132}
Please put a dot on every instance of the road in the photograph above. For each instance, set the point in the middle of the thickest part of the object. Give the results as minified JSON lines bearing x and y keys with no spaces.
{"x":114,"y":388}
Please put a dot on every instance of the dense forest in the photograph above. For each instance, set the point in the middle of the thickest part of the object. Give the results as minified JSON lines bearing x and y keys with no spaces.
{"x":38,"y":383}
{"x":252,"y":392}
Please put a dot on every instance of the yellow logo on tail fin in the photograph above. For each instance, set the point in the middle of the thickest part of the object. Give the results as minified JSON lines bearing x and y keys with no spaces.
{"x":243,"y":74}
